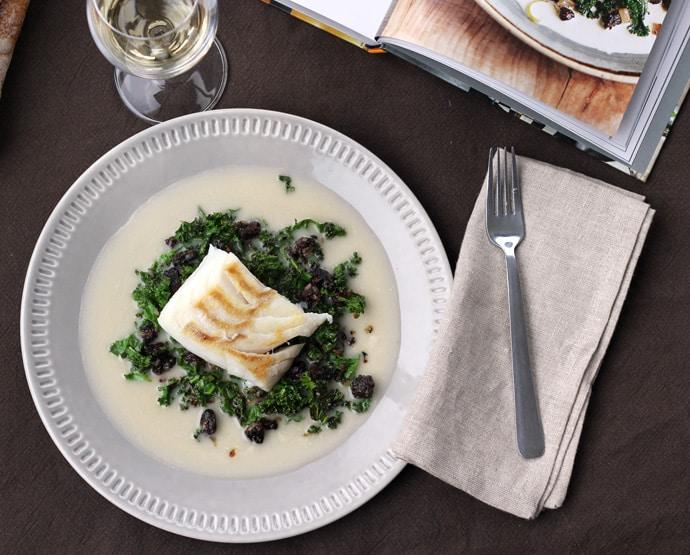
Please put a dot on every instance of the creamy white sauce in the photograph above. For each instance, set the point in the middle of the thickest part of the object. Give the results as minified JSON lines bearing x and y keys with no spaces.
{"x":108,"y":312}
{"x":589,"y":32}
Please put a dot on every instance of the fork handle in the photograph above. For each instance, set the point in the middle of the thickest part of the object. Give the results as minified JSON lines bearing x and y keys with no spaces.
{"x":530,"y":434}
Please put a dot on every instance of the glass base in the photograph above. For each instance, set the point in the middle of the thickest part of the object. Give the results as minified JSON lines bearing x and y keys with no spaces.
{"x":197,"y":90}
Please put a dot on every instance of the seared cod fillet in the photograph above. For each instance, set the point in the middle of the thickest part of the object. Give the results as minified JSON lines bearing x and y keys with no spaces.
{"x":226,"y":316}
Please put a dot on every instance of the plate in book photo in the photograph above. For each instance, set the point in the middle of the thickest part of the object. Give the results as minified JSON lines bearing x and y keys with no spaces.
{"x":180,"y":444}
{"x":612,"y":46}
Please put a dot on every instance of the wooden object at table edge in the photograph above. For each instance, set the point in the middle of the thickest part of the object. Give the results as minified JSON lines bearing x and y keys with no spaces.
{"x":12,"y":14}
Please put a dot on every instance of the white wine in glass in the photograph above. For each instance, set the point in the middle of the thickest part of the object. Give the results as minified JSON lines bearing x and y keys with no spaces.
{"x":166,"y":57}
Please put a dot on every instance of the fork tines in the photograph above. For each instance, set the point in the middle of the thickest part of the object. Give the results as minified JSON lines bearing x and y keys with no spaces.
{"x":503,"y":196}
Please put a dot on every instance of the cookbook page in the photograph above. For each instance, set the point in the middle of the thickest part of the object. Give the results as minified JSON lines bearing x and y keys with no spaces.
{"x":360,"y":18}
{"x":575,"y":65}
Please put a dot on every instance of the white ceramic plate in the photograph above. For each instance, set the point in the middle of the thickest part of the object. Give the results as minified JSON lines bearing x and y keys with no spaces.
{"x":581,"y":45}
{"x":100,"y":202}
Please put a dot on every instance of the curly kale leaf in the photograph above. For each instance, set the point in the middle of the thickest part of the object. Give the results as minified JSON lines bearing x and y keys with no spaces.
{"x":274,"y":259}
{"x":217,"y":229}
{"x":328,"y":229}
{"x":195,"y":388}
{"x":361,"y":405}
{"x":346,"y":270}
{"x":131,"y":348}
{"x":601,"y":9}
{"x":287,"y":181}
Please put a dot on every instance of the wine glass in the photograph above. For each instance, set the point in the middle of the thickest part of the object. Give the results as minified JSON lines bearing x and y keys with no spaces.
{"x":168,"y":61}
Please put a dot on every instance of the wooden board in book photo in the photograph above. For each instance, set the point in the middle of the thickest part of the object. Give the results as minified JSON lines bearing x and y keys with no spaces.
{"x":608,"y":74}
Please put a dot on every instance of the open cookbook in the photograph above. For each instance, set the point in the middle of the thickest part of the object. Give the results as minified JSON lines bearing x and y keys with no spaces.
{"x":608,"y":74}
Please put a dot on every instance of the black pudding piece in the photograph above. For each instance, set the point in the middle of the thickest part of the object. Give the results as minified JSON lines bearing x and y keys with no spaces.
{"x":185,"y":257}
{"x":566,"y":13}
{"x":319,"y":372}
{"x":191,"y":358}
{"x":173,"y":275}
{"x":611,"y":19}
{"x":311,"y":294}
{"x":248,"y":230}
{"x":162,"y":360}
{"x":148,"y":332}
{"x":362,"y":387}
{"x":320,"y":277}
{"x":304,"y":248}
{"x":269,"y":424}
{"x":255,"y":432}
{"x":298,"y":368}
{"x":208,"y":423}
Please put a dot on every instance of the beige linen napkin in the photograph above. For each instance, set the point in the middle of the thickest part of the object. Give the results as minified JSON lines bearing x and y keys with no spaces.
{"x":12,"y":14}
{"x":583,"y":239}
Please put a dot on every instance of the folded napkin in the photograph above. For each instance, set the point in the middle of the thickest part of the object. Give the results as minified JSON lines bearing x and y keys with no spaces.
{"x":583,"y":239}
{"x":12,"y":14}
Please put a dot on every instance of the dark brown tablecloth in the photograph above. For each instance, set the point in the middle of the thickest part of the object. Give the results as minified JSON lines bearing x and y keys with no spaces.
{"x":631,"y":483}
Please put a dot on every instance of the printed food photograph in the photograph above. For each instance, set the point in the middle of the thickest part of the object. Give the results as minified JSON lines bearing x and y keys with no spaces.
{"x":613,"y":37}
{"x":375,"y":276}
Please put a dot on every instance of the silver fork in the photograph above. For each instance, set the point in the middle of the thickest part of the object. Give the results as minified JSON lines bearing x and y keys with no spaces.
{"x":505,"y":227}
